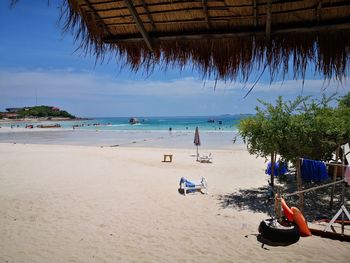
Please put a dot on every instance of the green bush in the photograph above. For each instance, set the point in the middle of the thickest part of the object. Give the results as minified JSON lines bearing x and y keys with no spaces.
{"x":44,"y":111}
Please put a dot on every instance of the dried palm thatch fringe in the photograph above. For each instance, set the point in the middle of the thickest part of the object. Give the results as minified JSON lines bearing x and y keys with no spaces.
{"x":328,"y":52}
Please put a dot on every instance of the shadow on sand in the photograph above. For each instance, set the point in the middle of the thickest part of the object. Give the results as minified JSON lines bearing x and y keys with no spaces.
{"x":255,"y":199}
{"x":260,"y":200}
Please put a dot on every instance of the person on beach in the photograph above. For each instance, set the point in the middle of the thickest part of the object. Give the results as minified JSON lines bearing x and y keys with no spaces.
{"x":234,"y":140}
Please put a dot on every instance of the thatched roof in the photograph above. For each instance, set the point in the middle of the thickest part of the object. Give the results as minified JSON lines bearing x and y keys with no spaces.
{"x":221,"y":38}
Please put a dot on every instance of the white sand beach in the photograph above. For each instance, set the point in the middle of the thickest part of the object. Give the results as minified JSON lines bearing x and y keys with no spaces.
{"x":94,"y":95}
{"x":64,"y":203}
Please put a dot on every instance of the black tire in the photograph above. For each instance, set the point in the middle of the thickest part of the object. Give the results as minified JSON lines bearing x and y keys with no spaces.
{"x":273,"y":231}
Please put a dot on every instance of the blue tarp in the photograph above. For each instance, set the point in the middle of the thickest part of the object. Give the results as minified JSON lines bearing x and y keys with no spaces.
{"x":313,"y":171}
{"x":280,"y":168}
{"x":188,"y":184}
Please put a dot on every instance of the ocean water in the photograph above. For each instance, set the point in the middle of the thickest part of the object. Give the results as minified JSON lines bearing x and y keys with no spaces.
{"x":220,"y":133}
{"x":224,"y":122}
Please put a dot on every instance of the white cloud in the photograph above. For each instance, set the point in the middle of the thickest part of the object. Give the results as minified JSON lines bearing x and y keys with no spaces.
{"x":313,"y":85}
{"x":69,"y":82}
{"x":78,"y":88}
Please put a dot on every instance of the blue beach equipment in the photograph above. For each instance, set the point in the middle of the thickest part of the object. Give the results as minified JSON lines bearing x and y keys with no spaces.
{"x":191,"y":186}
{"x":280,"y":168}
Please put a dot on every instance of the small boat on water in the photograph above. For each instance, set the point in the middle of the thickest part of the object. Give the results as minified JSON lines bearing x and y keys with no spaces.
{"x":49,"y":126}
{"x":133,"y":121}
{"x":211,"y":120}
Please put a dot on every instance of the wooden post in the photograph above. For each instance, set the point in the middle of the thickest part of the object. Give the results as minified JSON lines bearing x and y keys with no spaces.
{"x":318,"y":11}
{"x":193,"y":36}
{"x":205,"y":11}
{"x":149,"y":15}
{"x":139,"y":24}
{"x":278,"y":209}
{"x":272,"y":170}
{"x":334,"y":177}
{"x":255,"y":13}
{"x":342,"y":192}
{"x":299,"y":185}
{"x":268,"y":20}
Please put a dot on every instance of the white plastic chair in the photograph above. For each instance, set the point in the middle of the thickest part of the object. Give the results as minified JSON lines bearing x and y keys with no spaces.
{"x":206,"y":158}
{"x":201,"y":185}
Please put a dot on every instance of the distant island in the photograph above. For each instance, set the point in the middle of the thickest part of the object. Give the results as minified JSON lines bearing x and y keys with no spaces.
{"x":36,"y":112}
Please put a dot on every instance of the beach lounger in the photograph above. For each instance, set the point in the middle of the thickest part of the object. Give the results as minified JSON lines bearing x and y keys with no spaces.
{"x":192,"y":186}
{"x":206,"y":158}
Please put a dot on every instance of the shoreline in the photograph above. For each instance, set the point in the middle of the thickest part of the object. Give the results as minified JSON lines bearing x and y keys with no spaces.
{"x":135,"y":138}
{"x":7,"y":129}
{"x":39,"y":119}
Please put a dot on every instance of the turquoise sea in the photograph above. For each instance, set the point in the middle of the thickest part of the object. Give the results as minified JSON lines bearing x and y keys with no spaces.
{"x":167,"y":132}
{"x":205,"y":123}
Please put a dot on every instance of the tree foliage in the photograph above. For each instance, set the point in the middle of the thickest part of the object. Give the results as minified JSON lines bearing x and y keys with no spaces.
{"x":344,"y":102}
{"x":299,"y":128}
{"x":44,"y":111}
{"x":268,"y":131}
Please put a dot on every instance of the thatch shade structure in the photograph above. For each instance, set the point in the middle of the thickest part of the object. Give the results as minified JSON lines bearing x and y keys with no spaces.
{"x":221,"y":38}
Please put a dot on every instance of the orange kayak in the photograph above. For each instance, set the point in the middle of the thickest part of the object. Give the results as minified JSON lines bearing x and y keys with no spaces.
{"x":300,"y":221}
{"x":286,"y":210}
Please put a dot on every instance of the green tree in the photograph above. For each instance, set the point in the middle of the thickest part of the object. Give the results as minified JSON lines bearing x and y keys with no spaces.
{"x":344,"y":102}
{"x":299,"y":128}
{"x":344,"y":113}
{"x":267,"y":133}
{"x":318,"y":130}
{"x":44,"y":111}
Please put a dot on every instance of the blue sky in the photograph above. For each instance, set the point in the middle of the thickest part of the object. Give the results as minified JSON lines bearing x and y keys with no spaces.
{"x":37,"y":59}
